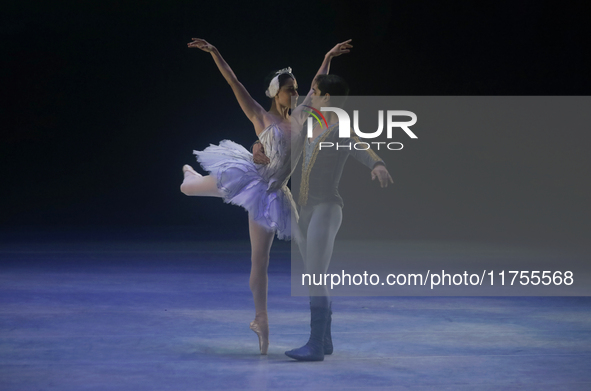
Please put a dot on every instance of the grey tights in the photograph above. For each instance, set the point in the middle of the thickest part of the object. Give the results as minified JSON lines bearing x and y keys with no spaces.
{"x":319,"y":225}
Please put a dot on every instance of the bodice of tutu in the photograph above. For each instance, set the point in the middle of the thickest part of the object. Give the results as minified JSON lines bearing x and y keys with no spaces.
{"x":278,"y":148}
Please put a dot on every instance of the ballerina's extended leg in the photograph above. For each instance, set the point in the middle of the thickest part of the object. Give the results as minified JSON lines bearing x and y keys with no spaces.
{"x":195,"y":184}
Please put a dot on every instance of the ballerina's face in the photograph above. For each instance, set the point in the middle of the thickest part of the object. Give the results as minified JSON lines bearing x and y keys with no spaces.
{"x":286,"y":92}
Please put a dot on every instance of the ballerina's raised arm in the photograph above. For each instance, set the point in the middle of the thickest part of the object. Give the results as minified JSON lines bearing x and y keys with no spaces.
{"x":253,"y":110}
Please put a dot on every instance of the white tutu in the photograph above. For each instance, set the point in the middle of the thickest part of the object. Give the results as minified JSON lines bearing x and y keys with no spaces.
{"x":257,"y":188}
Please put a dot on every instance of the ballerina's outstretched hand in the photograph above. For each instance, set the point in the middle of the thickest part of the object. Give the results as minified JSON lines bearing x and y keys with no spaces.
{"x":202,"y":44}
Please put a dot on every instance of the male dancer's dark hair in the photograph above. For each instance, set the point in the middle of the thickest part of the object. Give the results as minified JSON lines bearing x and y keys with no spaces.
{"x":332,"y":84}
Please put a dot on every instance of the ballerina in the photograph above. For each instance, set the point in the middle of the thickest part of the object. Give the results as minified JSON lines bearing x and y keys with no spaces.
{"x":260,"y":189}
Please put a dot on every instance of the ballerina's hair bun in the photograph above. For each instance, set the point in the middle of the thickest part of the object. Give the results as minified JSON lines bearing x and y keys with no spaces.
{"x":275,"y":80}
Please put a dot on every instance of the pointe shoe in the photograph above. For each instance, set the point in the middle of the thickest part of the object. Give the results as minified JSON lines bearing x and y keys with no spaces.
{"x":261,"y":329}
{"x":190,"y":169}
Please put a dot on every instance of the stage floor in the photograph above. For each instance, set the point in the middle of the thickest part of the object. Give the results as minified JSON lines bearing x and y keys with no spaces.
{"x":150,"y":315}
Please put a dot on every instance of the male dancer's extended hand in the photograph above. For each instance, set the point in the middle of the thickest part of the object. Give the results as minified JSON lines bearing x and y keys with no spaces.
{"x":380,"y":172}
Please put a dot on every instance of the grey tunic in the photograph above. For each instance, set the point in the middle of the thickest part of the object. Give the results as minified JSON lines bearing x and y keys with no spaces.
{"x":322,"y":168}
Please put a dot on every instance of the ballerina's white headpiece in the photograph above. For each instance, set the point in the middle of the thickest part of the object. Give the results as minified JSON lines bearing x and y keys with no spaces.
{"x":274,"y":85}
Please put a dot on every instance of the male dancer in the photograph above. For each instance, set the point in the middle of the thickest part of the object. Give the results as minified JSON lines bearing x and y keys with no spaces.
{"x":321,"y":205}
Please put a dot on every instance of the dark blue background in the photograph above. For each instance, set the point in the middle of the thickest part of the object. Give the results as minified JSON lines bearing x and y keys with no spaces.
{"x":103,"y":103}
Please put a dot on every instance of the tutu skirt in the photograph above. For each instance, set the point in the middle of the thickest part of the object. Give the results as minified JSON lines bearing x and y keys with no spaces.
{"x":243,"y":183}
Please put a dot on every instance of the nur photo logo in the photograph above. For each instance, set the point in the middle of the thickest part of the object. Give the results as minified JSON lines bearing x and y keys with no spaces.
{"x":393,"y":121}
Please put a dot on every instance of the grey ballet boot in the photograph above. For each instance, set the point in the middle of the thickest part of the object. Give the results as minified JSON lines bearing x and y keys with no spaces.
{"x":314,"y":349}
{"x":327,"y":337}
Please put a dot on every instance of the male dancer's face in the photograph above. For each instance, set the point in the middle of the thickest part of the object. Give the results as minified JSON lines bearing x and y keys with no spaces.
{"x":318,"y":100}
